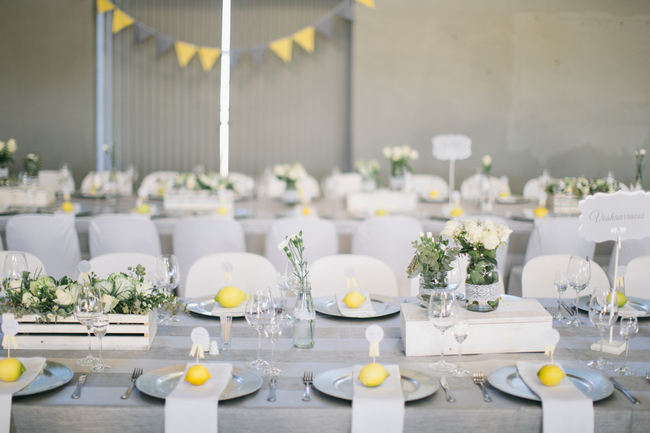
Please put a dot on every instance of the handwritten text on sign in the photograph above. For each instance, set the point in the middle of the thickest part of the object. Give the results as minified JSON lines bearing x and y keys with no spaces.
{"x":609,"y":216}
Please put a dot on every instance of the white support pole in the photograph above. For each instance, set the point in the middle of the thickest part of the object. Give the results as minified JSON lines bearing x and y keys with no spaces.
{"x":224,"y":97}
{"x":99,"y":92}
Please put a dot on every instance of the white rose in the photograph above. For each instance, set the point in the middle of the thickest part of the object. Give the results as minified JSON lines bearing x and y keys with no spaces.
{"x":11,"y":145}
{"x":414,"y":154}
{"x":63,"y":297}
{"x":504,"y":233}
{"x":474,"y":232}
{"x":15,"y":284}
{"x":490,"y":239}
{"x":451,"y":229}
{"x":397,"y":154}
{"x":642,"y":151}
{"x":282,"y":245}
{"x":109,"y":302}
{"x":278,"y":171}
{"x":29,"y":299}
{"x":487,"y":160}
{"x":144,"y":288}
{"x":2,"y":146}
{"x":388,"y":153}
{"x":190,"y":182}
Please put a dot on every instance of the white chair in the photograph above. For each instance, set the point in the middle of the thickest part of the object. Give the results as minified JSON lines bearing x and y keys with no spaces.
{"x":51,"y":179}
{"x":107,"y":264}
{"x":539,"y":273}
{"x":248,"y":272}
{"x":342,"y":184}
{"x":155,"y":183}
{"x":320,"y":238}
{"x":470,"y":189}
{"x":94,"y":181}
{"x":329,"y":275}
{"x":425,"y":184}
{"x":389,"y":239}
{"x":243,"y":183}
{"x":195,"y":237}
{"x":630,"y":249}
{"x":51,"y":238}
{"x":123,"y":234}
{"x":534,"y":189}
{"x":637,"y":275}
{"x":34,"y":264}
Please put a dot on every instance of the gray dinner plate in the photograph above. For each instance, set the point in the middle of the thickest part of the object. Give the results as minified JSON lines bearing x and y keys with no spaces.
{"x":639,"y":304}
{"x":160,"y":382}
{"x":53,"y":376}
{"x":338,"y":383}
{"x":592,"y":384}
{"x":204,"y":305}
{"x":383,"y":306}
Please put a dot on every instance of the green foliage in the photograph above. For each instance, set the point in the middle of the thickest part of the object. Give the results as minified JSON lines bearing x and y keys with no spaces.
{"x":580,"y":186}
{"x":432,"y":260}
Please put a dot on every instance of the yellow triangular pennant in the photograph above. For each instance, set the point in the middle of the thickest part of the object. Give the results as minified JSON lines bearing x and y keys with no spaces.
{"x":104,"y":6}
{"x":184,"y":52}
{"x":208,"y":56}
{"x":369,"y":3}
{"x":305,"y":38}
{"x":120,"y":20}
{"x":282,"y":47}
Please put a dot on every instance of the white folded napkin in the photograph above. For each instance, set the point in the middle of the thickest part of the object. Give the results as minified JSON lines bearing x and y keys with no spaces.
{"x":218,"y":309}
{"x":364,"y":310}
{"x":33,"y":367}
{"x":564,"y":407}
{"x":379,"y":409}
{"x":629,"y":311}
{"x":190,"y":407}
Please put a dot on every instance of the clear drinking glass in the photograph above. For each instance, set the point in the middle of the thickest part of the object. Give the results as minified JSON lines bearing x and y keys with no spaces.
{"x":442,"y":315}
{"x":14,"y":265}
{"x":288,"y":284}
{"x":272,"y":328}
{"x":560,"y":282}
{"x":87,"y":306}
{"x":578,"y":276}
{"x":629,"y":327}
{"x":100,"y":327}
{"x":225,"y":320}
{"x":257,"y":304}
{"x":603,"y":312}
{"x":168,"y":277}
{"x":460,"y":332}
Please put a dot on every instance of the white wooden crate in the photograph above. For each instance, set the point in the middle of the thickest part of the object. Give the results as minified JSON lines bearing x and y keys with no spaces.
{"x":516,"y":326}
{"x":125,"y":332}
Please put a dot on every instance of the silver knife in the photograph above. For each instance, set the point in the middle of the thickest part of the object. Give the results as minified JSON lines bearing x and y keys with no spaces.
{"x":448,"y":395}
{"x":77,"y":391}
{"x":625,"y":392}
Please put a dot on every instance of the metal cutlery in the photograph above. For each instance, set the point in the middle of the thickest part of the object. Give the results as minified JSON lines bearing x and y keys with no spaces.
{"x":571,"y":312}
{"x":625,"y":392}
{"x":77,"y":391}
{"x":445,"y":386}
{"x":479,"y":379}
{"x":272,"y":384}
{"x":137,"y":372}
{"x":308,"y":380}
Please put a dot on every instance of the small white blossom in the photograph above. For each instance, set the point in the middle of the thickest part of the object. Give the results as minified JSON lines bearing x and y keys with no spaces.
{"x":11,"y":145}
{"x":487,"y":160}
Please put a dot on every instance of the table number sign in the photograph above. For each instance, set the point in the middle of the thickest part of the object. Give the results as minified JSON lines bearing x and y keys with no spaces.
{"x":200,"y":342}
{"x":452,"y":148}
{"x":9,"y":330}
{"x":374,"y":334}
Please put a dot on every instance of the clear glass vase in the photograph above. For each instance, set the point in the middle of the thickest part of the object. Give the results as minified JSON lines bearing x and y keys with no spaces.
{"x":290,"y":196}
{"x":304,"y":316}
{"x":430,"y":286}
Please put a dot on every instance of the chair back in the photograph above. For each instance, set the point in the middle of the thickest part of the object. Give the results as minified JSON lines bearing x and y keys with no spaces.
{"x":428,"y":186}
{"x":107,"y":264}
{"x":637,"y":275}
{"x":630,"y":249}
{"x":537,"y":278}
{"x":123,"y":234}
{"x":34,"y":264}
{"x":559,"y":235}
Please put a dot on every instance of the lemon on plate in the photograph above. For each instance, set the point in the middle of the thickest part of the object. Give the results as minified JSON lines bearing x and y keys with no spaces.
{"x":540,"y":212}
{"x":504,"y":194}
{"x":620,"y":297}
{"x":373,"y":375}
{"x":230,"y":297}
{"x":457,"y":211}
{"x":11,"y":369}
{"x":354,"y":299}
{"x":306,"y":211}
{"x":380,"y":212}
{"x":144,"y":208}
{"x":550,"y":374}
{"x":67,"y":207}
{"x":197,"y":375}
{"x":434,"y":193}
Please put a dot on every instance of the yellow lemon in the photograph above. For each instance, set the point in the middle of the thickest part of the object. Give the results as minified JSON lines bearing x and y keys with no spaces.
{"x":504,"y":194}
{"x":380,"y":212}
{"x":550,"y":374}
{"x":67,"y":207}
{"x":306,"y":211}
{"x":197,"y":374}
{"x":620,"y":297}
{"x":161,"y":191}
{"x":230,"y":297}
{"x":144,"y":208}
{"x":93,"y":191}
{"x":222,"y":210}
{"x":540,"y":212}
{"x":373,"y":374}
{"x":457,"y":211}
{"x":433,"y":193}
{"x":11,"y":369}
{"x":354,"y":299}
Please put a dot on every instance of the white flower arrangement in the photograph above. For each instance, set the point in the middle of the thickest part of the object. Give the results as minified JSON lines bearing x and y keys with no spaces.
{"x":400,"y":158}
{"x":580,"y":186}
{"x":367,"y":168}
{"x":32,"y":164}
{"x":290,"y":173}
{"x":486,"y":163}
{"x":202,"y":182}
{"x":7,"y":151}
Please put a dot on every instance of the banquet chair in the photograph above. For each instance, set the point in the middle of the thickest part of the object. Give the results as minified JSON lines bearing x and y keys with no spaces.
{"x":470,"y":189}
{"x":123,"y":234}
{"x":342,"y":184}
{"x":50,"y":179}
{"x":98,"y":179}
{"x":389,"y":238}
{"x":637,"y":275}
{"x":245,"y":271}
{"x":153,"y":183}
{"x":320,"y":237}
{"x":107,"y":264}
{"x":630,"y":249}
{"x":196,"y":237}
{"x":424,"y":184}
{"x":329,"y":275}
{"x":539,"y":273}
{"x":534,"y":189}
{"x":244,"y":184}
{"x":34,"y":264}
{"x":51,"y":238}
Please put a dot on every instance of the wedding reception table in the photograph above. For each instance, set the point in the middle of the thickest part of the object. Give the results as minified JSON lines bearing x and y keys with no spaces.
{"x":339,"y":343}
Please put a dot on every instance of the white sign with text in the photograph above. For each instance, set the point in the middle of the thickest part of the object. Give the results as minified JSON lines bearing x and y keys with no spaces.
{"x":452,"y":147}
{"x":624,"y":215}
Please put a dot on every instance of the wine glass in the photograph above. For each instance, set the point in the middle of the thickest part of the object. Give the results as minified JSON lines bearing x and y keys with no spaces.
{"x":442,"y":316}
{"x":100,"y":325}
{"x":272,"y":328}
{"x":288,"y":284}
{"x":603,"y":312}
{"x":87,"y":306}
{"x":167,"y":275}
{"x":257,"y":304}
{"x":15,"y":265}
{"x":460,"y":332}
{"x":629,"y":327}
{"x":560,"y":282}
{"x":578,"y":276}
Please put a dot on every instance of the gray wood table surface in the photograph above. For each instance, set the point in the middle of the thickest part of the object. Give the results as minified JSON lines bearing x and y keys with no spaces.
{"x":339,"y":343}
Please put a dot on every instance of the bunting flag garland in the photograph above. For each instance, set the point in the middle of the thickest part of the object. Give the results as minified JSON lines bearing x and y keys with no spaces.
{"x":283,"y":48}
{"x":163,"y":44}
{"x":208,"y":56}
{"x":326,"y":26}
{"x":305,"y":38}
{"x":184,"y":52}
{"x":142,"y":32}
{"x":368,"y":3}
{"x":121,"y":20}
{"x":345,"y":10}
{"x":258,"y":54}
{"x":104,"y":6}
{"x":235,"y":57}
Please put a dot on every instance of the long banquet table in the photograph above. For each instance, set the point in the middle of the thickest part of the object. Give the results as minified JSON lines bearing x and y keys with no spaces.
{"x":339,"y":343}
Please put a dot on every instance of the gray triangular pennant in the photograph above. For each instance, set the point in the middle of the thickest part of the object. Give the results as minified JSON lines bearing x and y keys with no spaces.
{"x":163,"y":44}
{"x":142,"y":32}
{"x":235,"y":57}
{"x":326,"y":26}
{"x":258,"y":54}
{"x":345,"y":10}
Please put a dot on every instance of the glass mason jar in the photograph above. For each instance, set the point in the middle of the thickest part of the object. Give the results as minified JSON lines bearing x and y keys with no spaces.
{"x":290,"y":196}
{"x":304,"y":316}
{"x":431,"y":286}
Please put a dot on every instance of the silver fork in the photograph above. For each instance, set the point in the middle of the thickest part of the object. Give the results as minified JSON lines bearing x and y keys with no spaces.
{"x":137,"y":372}
{"x":479,"y":379}
{"x":307,"y":379}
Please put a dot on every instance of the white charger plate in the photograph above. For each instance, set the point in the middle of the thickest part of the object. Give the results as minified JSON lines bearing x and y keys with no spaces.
{"x":383,"y":306}
{"x":204,"y":306}
{"x":639,"y":304}
{"x":53,"y":376}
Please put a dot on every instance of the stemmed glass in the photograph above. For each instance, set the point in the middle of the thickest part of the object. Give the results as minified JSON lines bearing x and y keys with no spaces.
{"x":288,"y":284}
{"x":168,"y":277}
{"x":87,"y":307}
{"x":629,"y":327}
{"x":14,"y":266}
{"x":100,"y":326}
{"x":257,"y":305}
{"x":442,"y":316}
{"x":560,"y":282}
{"x":603,"y":312}
{"x":578,"y":276}
{"x":272,"y":328}
{"x":460,"y":332}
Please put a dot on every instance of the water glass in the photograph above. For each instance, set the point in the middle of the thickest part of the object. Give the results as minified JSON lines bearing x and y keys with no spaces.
{"x":578,"y":276}
{"x":257,"y":305}
{"x":225,"y":320}
{"x":560,"y":283}
{"x":14,"y":265}
{"x":272,"y":328}
{"x":629,"y":327}
{"x":442,"y":316}
{"x":603,"y":312}
{"x":100,"y":327}
{"x":87,"y":307}
{"x":167,"y":278}
{"x":460,"y":332}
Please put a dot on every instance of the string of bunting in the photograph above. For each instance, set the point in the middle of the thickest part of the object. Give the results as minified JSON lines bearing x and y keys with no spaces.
{"x":208,"y":56}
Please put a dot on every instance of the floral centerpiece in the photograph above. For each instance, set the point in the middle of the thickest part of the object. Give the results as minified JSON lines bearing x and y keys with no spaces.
{"x":290,"y":174}
{"x":7,"y":151}
{"x":479,"y":240}
{"x":638,"y":178}
{"x":203,"y":182}
{"x":432,"y":262}
{"x":31,"y":164}
{"x":400,"y":158}
{"x":368,"y":169}
{"x":486,"y":164}
{"x":565,"y":193}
